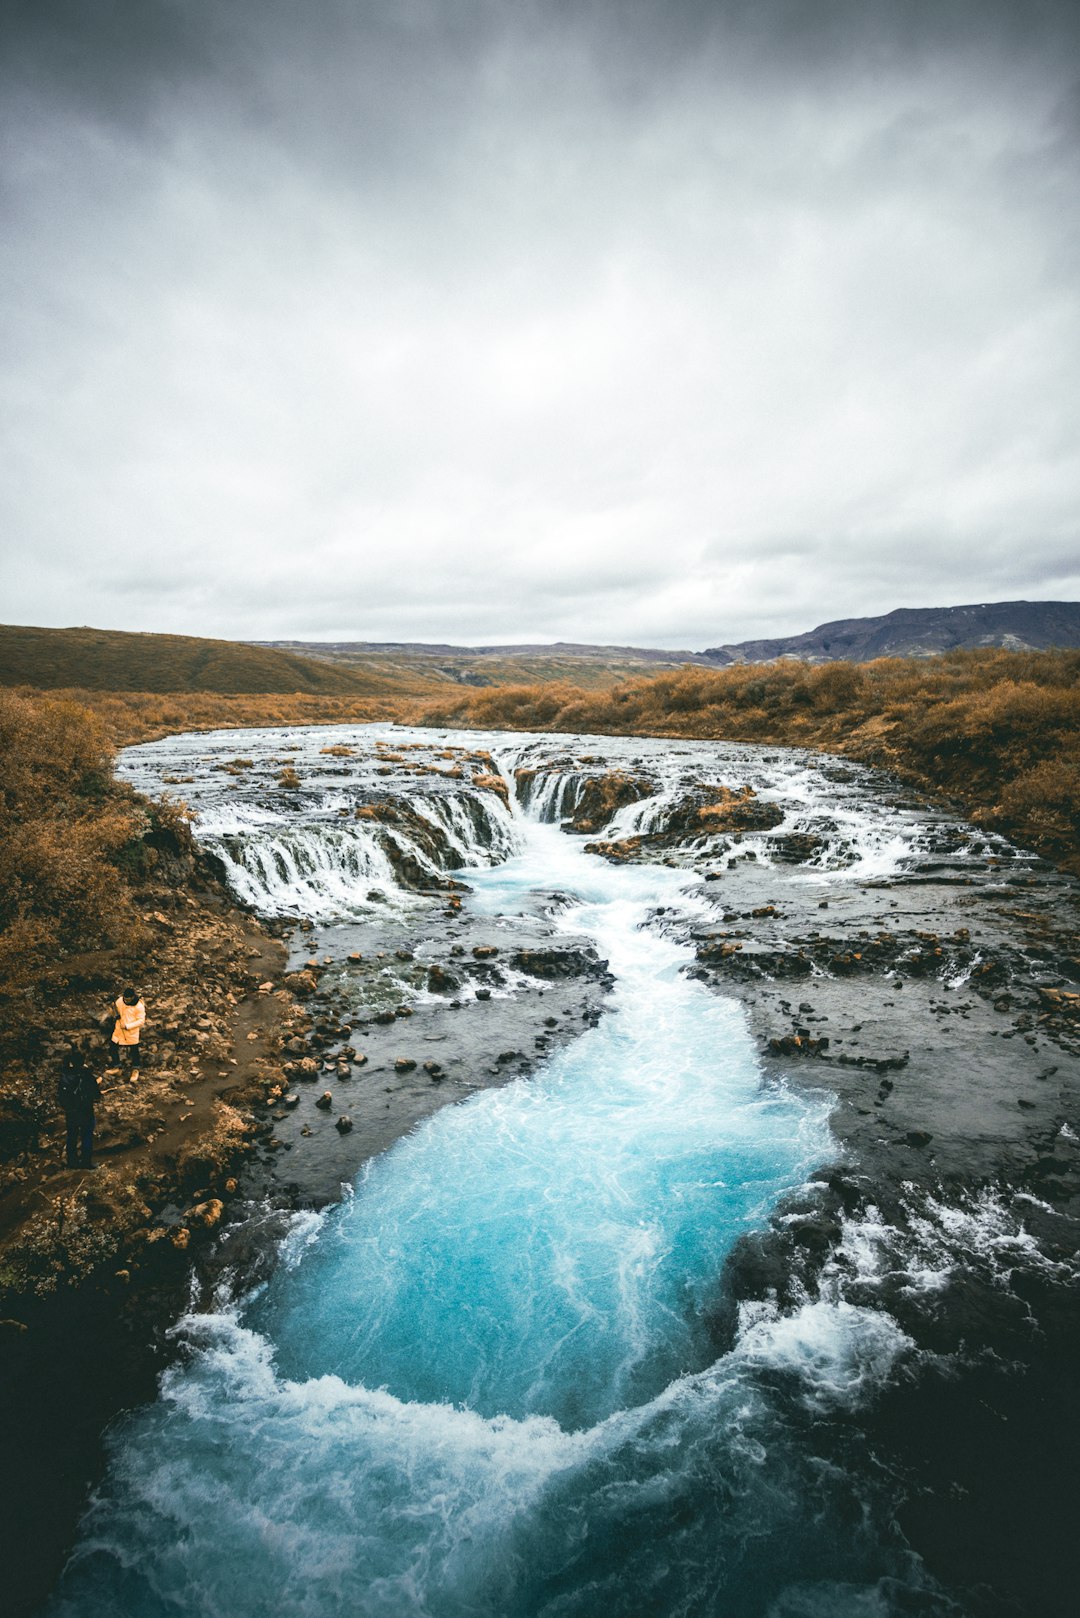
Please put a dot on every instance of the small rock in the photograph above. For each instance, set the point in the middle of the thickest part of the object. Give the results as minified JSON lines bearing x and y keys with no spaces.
{"x":484,"y":952}
{"x":325,"y":1101}
{"x":344,"y":1124}
{"x":404,"y":1064}
{"x":483,"y":994}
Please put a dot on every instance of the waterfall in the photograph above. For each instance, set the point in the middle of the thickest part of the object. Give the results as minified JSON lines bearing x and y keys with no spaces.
{"x":314,"y":865}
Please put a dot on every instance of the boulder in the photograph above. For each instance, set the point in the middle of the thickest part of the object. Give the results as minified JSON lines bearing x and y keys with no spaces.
{"x":302,"y":983}
{"x":558,"y":963}
{"x":601,"y":795}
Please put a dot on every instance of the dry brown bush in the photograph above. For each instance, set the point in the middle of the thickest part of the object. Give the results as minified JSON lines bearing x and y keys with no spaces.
{"x":63,"y":824}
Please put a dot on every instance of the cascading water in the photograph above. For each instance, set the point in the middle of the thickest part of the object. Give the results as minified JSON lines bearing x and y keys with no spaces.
{"x":487,"y":1382}
{"x":317,"y":863}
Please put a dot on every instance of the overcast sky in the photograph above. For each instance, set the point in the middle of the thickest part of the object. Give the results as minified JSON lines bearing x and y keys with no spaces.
{"x":656,"y":321}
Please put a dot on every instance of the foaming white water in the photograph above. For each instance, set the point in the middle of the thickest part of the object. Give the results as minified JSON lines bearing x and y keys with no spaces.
{"x":319,"y":864}
{"x":984,"y":1233}
{"x":297,"y":851}
{"x":246,"y":1492}
{"x":323,"y":870}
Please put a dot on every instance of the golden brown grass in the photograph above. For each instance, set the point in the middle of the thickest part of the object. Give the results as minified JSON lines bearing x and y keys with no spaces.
{"x":142,"y":716}
{"x":63,"y":827}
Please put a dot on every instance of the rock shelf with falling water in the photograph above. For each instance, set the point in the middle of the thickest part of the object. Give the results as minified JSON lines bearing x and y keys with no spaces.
{"x":699,"y":1307}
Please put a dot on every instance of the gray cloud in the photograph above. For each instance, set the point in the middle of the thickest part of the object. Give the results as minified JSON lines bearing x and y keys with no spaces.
{"x":666,"y":322}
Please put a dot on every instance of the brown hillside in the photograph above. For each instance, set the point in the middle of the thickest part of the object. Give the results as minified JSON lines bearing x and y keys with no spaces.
{"x":114,"y":660}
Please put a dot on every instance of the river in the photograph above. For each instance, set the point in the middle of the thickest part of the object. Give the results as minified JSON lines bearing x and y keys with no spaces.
{"x":500,"y":1377}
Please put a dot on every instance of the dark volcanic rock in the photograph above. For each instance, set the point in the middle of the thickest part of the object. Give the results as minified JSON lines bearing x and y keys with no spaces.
{"x":559,"y":962}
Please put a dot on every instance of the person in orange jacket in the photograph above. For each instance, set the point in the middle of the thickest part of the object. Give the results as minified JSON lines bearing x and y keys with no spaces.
{"x":130,"y":1016}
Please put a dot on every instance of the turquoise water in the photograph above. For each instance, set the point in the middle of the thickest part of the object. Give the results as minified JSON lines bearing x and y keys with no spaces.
{"x":486,"y":1384}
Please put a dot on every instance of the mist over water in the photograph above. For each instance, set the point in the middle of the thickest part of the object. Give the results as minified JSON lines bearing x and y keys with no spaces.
{"x":491,"y":1382}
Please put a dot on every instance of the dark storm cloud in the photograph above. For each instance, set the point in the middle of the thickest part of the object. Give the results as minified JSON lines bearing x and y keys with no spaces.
{"x":655,"y":321}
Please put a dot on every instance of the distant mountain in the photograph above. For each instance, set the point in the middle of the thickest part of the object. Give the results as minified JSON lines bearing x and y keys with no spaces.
{"x":348,"y":650}
{"x":115,"y":660}
{"x":919,"y":632}
{"x":906,"y":632}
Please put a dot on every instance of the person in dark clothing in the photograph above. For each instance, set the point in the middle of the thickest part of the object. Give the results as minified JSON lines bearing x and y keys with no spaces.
{"x":79,"y":1093}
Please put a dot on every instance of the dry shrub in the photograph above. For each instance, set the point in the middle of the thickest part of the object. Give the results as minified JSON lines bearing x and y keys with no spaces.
{"x":63,"y":824}
{"x":1046,"y":797}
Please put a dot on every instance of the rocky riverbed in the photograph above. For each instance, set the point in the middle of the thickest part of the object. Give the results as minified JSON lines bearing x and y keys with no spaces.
{"x":921,"y":973}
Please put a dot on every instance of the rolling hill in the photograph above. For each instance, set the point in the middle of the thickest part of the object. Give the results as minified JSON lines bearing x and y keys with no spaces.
{"x":114,"y":660}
